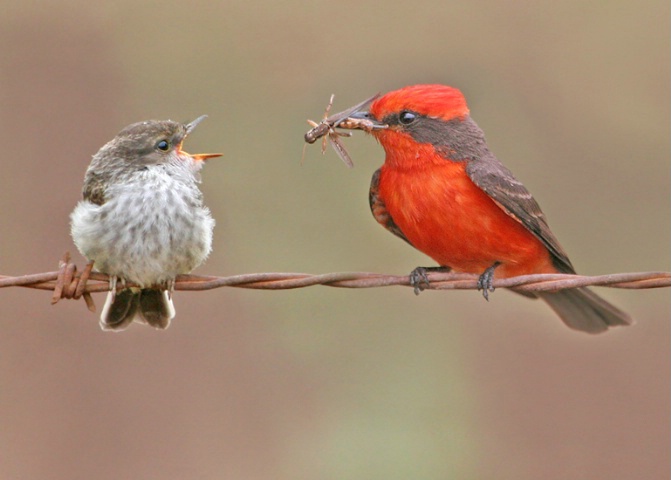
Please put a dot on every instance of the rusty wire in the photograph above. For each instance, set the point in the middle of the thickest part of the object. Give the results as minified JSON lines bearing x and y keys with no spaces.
{"x":66,"y":282}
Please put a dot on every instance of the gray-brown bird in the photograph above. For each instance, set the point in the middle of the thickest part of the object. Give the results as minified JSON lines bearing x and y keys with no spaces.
{"x":142,"y":219}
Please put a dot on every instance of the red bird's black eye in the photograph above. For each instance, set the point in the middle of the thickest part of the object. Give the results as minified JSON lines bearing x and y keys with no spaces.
{"x":406,"y":117}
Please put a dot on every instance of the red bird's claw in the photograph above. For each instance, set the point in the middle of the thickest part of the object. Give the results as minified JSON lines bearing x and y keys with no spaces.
{"x":486,"y":280}
{"x":419,"y":280}
{"x":485,"y":285}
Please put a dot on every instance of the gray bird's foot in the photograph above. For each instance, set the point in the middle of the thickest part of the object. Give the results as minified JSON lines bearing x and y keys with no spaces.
{"x":112,"y":284}
{"x":170,"y":286}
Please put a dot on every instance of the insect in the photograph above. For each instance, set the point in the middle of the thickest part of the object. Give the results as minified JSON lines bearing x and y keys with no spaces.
{"x":326,"y":128}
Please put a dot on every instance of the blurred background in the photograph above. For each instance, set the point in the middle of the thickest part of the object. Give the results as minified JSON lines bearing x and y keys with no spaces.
{"x":323,"y":383}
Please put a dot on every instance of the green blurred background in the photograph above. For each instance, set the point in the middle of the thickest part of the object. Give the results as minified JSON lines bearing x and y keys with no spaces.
{"x":323,"y":383}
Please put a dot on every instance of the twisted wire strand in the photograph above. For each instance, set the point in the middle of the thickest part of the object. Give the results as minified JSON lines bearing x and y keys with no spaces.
{"x":66,"y":282}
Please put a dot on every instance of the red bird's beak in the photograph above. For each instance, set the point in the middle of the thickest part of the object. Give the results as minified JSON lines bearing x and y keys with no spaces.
{"x":362,"y":120}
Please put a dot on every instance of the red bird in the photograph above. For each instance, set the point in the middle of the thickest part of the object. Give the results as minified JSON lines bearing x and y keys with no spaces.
{"x":442,"y":191}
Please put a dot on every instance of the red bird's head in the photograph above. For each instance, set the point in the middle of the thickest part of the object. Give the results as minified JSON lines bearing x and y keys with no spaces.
{"x":435,"y":101}
{"x":424,"y":123}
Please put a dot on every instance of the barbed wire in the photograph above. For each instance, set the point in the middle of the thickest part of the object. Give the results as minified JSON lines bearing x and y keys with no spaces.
{"x":66,"y":282}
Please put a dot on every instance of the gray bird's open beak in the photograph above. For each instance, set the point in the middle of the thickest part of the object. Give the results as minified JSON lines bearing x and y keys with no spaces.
{"x":197,"y":156}
{"x":190,"y":126}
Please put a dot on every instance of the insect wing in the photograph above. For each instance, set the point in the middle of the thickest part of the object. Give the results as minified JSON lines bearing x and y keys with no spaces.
{"x":340,"y":149}
{"x":335,"y":119}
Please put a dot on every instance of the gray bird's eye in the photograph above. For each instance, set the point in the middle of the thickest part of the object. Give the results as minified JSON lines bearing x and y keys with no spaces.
{"x":163,"y":145}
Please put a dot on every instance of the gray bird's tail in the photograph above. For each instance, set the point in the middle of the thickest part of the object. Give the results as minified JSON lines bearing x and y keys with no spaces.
{"x":150,"y":306}
{"x":582,"y":309}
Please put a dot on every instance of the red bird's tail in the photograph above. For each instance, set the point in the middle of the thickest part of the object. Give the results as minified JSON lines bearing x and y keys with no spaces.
{"x":582,"y":309}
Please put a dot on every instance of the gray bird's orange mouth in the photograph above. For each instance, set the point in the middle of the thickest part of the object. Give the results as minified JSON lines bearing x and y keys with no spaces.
{"x":196,"y":156}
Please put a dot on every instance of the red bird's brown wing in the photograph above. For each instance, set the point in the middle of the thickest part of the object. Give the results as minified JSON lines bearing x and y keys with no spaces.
{"x":379,"y":209}
{"x":498,"y":182}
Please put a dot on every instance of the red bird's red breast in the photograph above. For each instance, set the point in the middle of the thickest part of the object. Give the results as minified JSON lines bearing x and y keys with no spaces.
{"x":445,"y":215}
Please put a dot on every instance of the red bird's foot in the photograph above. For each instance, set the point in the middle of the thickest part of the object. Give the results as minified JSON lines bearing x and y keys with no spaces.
{"x":486,"y":279}
{"x":419,"y":279}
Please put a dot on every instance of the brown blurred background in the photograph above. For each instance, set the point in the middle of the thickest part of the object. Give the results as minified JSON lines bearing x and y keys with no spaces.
{"x":323,"y":383}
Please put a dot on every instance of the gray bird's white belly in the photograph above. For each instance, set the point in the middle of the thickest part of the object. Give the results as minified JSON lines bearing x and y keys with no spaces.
{"x":148,"y":231}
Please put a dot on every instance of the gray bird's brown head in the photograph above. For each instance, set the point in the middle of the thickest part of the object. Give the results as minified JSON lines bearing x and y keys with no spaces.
{"x":138,"y":148}
{"x":152,"y":142}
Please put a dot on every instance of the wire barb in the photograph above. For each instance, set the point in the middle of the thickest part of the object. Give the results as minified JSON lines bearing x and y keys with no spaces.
{"x":67,"y":283}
